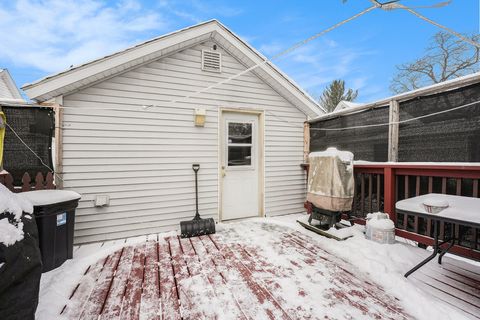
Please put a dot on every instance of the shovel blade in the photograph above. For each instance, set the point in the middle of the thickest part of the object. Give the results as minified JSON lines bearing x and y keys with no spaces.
{"x":197,"y":227}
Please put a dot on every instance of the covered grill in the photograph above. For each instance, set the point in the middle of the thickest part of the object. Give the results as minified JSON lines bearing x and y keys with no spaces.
{"x":330,"y":185}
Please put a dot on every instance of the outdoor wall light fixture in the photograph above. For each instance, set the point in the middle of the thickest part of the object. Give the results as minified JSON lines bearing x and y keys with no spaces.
{"x":199,"y":117}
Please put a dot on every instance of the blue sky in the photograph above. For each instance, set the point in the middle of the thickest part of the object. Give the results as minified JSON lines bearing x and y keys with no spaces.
{"x":42,"y":37}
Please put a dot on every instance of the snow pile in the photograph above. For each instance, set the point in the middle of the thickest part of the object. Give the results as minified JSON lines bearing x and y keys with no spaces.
{"x":11,"y":232}
{"x":13,"y":203}
{"x":343,"y":233}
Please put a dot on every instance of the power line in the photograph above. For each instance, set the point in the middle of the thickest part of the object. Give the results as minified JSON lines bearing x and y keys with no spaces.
{"x":392,"y":6}
{"x":397,"y":122}
{"x":285,"y":52}
{"x":280,"y":54}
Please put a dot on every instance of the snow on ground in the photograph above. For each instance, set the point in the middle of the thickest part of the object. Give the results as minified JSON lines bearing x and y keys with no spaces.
{"x":386,"y":265}
{"x":382,"y":263}
{"x":57,"y":284}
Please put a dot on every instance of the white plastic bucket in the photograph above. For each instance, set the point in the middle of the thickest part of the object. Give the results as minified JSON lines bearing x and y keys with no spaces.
{"x":380,"y":228}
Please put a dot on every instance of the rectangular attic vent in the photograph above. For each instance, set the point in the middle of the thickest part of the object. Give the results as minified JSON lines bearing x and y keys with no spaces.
{"x":211,"y":61}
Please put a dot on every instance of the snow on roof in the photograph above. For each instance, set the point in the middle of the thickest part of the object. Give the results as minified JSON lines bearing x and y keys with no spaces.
{"x":428,"y":90}
{"x":347,"y":104}
{"x":84,"y":75}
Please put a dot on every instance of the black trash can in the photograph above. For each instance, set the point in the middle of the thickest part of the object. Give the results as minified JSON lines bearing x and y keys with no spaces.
{"x":54,"y":212}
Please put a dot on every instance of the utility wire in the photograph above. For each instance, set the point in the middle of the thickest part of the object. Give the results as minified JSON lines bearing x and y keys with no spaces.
{"x":398,"y":122}
{"x":390,"y":6}
{"x":451,"y":31}
{"x":275,"y":57}
{"x":282,"y":53}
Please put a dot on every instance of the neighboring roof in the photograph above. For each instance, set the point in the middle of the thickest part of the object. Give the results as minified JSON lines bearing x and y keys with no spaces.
{"x":428,"y":90}
{"x":8,"y":90}
{"x":346,"y":105}
{"x":86,"y":74}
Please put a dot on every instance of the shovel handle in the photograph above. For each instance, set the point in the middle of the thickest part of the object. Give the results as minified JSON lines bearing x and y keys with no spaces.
{"x":195,"y":168}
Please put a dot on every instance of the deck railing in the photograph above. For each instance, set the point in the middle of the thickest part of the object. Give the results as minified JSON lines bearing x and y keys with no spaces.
{"x":39,"y":183}
{"x":381,"y":185}
{"x":378,"y":186}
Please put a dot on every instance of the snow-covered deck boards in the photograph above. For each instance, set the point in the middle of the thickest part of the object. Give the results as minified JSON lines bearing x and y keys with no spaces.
{"x":246,"y":273}
{"x":454,"y":282}
{"x":208,"y":277}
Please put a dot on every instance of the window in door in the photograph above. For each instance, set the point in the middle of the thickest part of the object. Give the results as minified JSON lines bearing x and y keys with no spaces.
{"x":239,"y":144}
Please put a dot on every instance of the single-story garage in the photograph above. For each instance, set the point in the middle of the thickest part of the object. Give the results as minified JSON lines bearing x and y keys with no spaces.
{"x":130,"y":128}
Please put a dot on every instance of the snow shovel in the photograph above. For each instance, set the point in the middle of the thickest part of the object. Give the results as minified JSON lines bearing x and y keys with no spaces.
{"x":197,"y":226}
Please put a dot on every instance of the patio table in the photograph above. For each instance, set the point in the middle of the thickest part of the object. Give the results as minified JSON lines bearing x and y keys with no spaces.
{"x":461,"y":210}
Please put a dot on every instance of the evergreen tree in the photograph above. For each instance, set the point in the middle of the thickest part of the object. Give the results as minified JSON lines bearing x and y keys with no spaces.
{"x":334,"y":93}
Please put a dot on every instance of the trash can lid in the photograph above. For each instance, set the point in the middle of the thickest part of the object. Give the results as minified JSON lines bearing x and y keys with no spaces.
{"x":46,"y":197}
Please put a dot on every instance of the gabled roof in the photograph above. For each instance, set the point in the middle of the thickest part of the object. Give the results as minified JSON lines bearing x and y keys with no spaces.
{"x":86,"y":74}
{"x":8,"y":89}
{"x":346,"y":105}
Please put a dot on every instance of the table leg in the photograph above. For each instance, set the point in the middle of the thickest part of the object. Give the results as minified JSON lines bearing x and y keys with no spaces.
{"x":434,"y":253}
{"x":443,"y":251}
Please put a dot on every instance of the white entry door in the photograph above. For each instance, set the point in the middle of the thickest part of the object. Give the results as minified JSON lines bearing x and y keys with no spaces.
{"x":240,"y":165}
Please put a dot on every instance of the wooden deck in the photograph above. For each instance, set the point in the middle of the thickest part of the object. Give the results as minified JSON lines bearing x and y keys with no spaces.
{"x":222,"y":277}
{"x":206,"y":278}
{"x":455,"y":282}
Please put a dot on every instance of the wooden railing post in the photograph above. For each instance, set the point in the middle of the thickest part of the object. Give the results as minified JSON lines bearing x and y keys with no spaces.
{"x":389,"y":192}
{"x":394,"y":117}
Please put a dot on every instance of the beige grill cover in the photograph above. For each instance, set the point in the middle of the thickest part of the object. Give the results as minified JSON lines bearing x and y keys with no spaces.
{"x":330,"y":180}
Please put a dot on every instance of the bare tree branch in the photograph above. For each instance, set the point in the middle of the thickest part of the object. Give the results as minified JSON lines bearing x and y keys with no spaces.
{"x":446,"y":57}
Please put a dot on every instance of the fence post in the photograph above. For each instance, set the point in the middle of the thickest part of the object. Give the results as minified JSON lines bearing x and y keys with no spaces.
{"x":393,"y":118}
{"x":389,"y":192}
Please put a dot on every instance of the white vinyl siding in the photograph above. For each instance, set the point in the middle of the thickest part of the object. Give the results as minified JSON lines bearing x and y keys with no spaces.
{"x":142,"y":158}
{"x":5,"y":90}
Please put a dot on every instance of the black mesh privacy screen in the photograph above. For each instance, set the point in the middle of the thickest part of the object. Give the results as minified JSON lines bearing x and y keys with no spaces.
{"x":452,"y":136}
{"x":35,"y":125}
{"x":369,"y":144}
